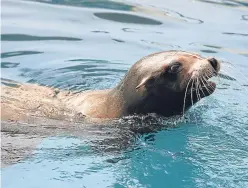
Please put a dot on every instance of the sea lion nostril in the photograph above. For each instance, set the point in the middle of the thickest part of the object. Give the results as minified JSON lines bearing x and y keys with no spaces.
{"x":214,"y":63}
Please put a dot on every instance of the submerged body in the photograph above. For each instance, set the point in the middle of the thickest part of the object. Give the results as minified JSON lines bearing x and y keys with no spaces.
{"x":166,"y":83}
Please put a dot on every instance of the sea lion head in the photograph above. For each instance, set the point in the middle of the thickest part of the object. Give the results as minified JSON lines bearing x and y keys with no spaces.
{"x":168,"y":83}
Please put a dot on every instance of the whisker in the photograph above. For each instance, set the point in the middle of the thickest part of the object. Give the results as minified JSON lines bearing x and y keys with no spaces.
{"x":196,"y":85}
{"x":184,"y":101}
{"x":192,"y":92}
{"x":192,"y":101}
{"x":204,"y":79}
{"x":197,"y":90}
{"x":201,"y":88}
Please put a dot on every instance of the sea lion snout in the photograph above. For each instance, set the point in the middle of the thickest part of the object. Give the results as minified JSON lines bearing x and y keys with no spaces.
{"x":214,"y":63}
{"x":204,"y":67}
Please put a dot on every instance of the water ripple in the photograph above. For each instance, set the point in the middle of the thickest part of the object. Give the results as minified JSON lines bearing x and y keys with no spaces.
{"x":23,"y":37}
{"x":9,"y":65}
{"x":126,"y":18}
{"x":236,"y":34}
{"x":81,"y":76}
{"x":104,"y":4}
{"x":18,"y":53}
{"x":245,"y":17}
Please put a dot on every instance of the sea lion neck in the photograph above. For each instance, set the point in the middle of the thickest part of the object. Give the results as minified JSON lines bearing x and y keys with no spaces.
{"x":132,"y":100}
{"x":159,"y":99}
{"x":126,"y":91}
{"x":164,"y":102}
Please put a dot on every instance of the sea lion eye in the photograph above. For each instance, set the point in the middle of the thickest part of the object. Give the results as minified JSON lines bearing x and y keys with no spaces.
{"x":175,"y":68}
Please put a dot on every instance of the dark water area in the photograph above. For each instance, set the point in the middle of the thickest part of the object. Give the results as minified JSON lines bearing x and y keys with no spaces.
{"x":81,"y":44}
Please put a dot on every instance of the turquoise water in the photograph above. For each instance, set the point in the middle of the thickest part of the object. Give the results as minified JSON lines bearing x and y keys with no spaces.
{"x":82,"y":45}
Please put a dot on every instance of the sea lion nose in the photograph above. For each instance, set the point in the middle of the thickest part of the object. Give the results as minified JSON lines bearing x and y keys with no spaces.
{"x":214,"y":63}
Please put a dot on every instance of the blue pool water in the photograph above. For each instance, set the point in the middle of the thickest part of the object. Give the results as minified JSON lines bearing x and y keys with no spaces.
{"x":80,"y":45}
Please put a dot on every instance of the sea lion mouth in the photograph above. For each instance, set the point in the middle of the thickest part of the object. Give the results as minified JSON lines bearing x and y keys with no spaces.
{"x":208,"y":88}
{"x":201,"y":88}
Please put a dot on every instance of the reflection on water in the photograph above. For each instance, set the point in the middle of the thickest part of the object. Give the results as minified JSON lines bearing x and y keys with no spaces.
{"x":103,"y":4}
{"x":20,"y":37}
{"x":244,"y":17}
{"x":127,"y":18}
{"x":231,"y":3}
{"x":9,"y":65}
{"x":85,"y":74}
{"x":209,"y":51}
{"x":18,"y":53}
{"x":238,"y":34}
{"x":222,"y":2}
{"x":81,"y":45}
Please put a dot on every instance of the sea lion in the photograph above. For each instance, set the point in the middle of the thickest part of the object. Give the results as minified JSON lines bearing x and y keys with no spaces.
{"x":166,"y":83}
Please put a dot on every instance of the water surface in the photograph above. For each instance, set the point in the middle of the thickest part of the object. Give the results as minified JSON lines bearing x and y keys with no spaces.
{"x":80,"y":45}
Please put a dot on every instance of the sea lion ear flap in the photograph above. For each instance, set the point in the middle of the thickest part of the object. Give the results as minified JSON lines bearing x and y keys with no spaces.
{"x":143,"y":82}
